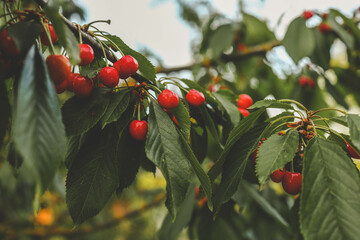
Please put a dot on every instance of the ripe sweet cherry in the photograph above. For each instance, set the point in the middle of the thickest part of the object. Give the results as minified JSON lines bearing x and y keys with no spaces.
{"x":308,"y":14}
{"x":59,"y":68}
{"x":60,"y":88}
{"x":81,"y":86}
{"x":126,"y":66}
{"x":244,"y":101}
{"x":86,"y":54}
{"x":195,"y":98}
{"x":138,"y":129}
{"x":168,"y":99}
{"x":7,"y":44}
{"x":324,"y":27}
{"x":352,"y":152}
{"x":278,"y":175}
{"x":109,"y":77}
{"x":44,"y":38}
{"x":303,"y":81}
{"x":243,"y":111}
{"x":292,"y":182}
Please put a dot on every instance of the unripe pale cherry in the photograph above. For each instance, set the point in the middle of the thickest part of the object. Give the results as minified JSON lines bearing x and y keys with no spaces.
{"x":138,"y":129}
{"x":244,"y":101}
{"x":109,"y":77}
{"x":195,"y":98}
{"x":168,"y":99}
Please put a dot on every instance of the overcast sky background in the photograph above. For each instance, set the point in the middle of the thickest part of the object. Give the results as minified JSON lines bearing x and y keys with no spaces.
{"x":157,"y":26}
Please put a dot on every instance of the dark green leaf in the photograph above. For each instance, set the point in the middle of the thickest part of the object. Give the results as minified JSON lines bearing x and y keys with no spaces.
{"x":93,"y":176}
{"x":349,"y":23}
{"x":24,"y":34}
{"x":221,"y":40}
{"x":38,"y":132}
{"x":354,"y":127}
{"x":264,"y":204}
{"x":270,"y":103}
{"x":227,"y":101}
{"x":199,"y":142}
{"x":242,"y":128}
{"x":65,"y":36}
{"x":299,"y":41}
{"x":145,"y":66}
{"x":344,"y":35}
{"x":181,"y":114}
{"x":170,"y":229}
{"x":118,"y":104}
{"x":274,"y":153}
{"x":256,"y":31}
{"x":235,"y":164}
{"x":164,"y":148}
{"x":4,"y":110}
{"x":329,"y":204}
{"x":321,"y":54}
{"x":81,"y":114}
{"x":335,"y":93}
{"x":276,"y":122}
{"x":209,"y":123}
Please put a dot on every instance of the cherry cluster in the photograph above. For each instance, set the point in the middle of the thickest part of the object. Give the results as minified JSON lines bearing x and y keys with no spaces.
{"x":244,"y":101}
{"x":323,"y":27}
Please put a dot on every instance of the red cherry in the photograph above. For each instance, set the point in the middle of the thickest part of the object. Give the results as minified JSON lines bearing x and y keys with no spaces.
{"x":197,"y":192}
{"x":241,"y":47}
{"x":81,"y":86}
{"x":70,"y":82}
{"x":60,"y":88}
{"x":324,"y":16}
{"x":277,"y":175}
{"x":244,"y":101}
{"x":59,"y":68}
{"x":109,"y":77}
{"x":324,"y":27}
{"x":195,"y":98}
{"x":168,"y":99}
{"x":311,"y":83}
{"x":44,"y":38}
{"x":138,"y":129}
{"x":7,"y":44}
{"x":352,"y":152}
{"x":308,"y":14}
{"x":292,"y":182}
{"x":303,"y":81}
{"x":254,"y":153}
{"x":86,"y":54}
{"x":126,"y":66}
{"x":211,"y":88}
{"x":243,"y":111}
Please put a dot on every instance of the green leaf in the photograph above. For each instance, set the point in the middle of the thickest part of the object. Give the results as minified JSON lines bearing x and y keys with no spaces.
{"x":93,"y":68}
{"x":264,"y":204}
{"x":329,"y":204}
{"x":171,"y":229}
{"x":65,"y":36}
{"x":276,"y":122}
{"x":340,"y":120}
{"x":335,"y":93}
{"x":182,"y":115}
{"x":270,"y":103}
{"x":38,"y":132}
{"x":118,"y":104}
{"x":227,"y":99}
{"x":344,"y":35}
{"x":221,"y":39}
{"x":349,"y":23}
{"x":4,"y":110}
{"x":164,"y":148}
{"x":199,"y":142}
{"x":93,"y":176}
{"x":145,"y":66}
{"x":256,"y":31}
{"x":354,"y":128}
{"x":299,"y":41}
{"x":321,"y":54}
{"x":81,"y":114}
{"x":235,"y":164}
{"x":244,"y":126}
{"x":24,"y":34}
{"x":274,"y":153}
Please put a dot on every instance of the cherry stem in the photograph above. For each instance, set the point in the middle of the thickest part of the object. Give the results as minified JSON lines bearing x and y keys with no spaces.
{"x":153,"y":87}
{"x":300,"y":113}
{"x":328,"y":109}
{"x":86,"y":26}
{"x":138,"y":112}
{"x":47,"y":31}
{"x":103,"y":50}
{"x":295,"y":102}
{"x":285,"y":117}
{"x":80,"y":37}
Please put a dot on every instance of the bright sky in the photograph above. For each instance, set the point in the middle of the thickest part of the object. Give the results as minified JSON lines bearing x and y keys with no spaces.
{"x":142,"y":23}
